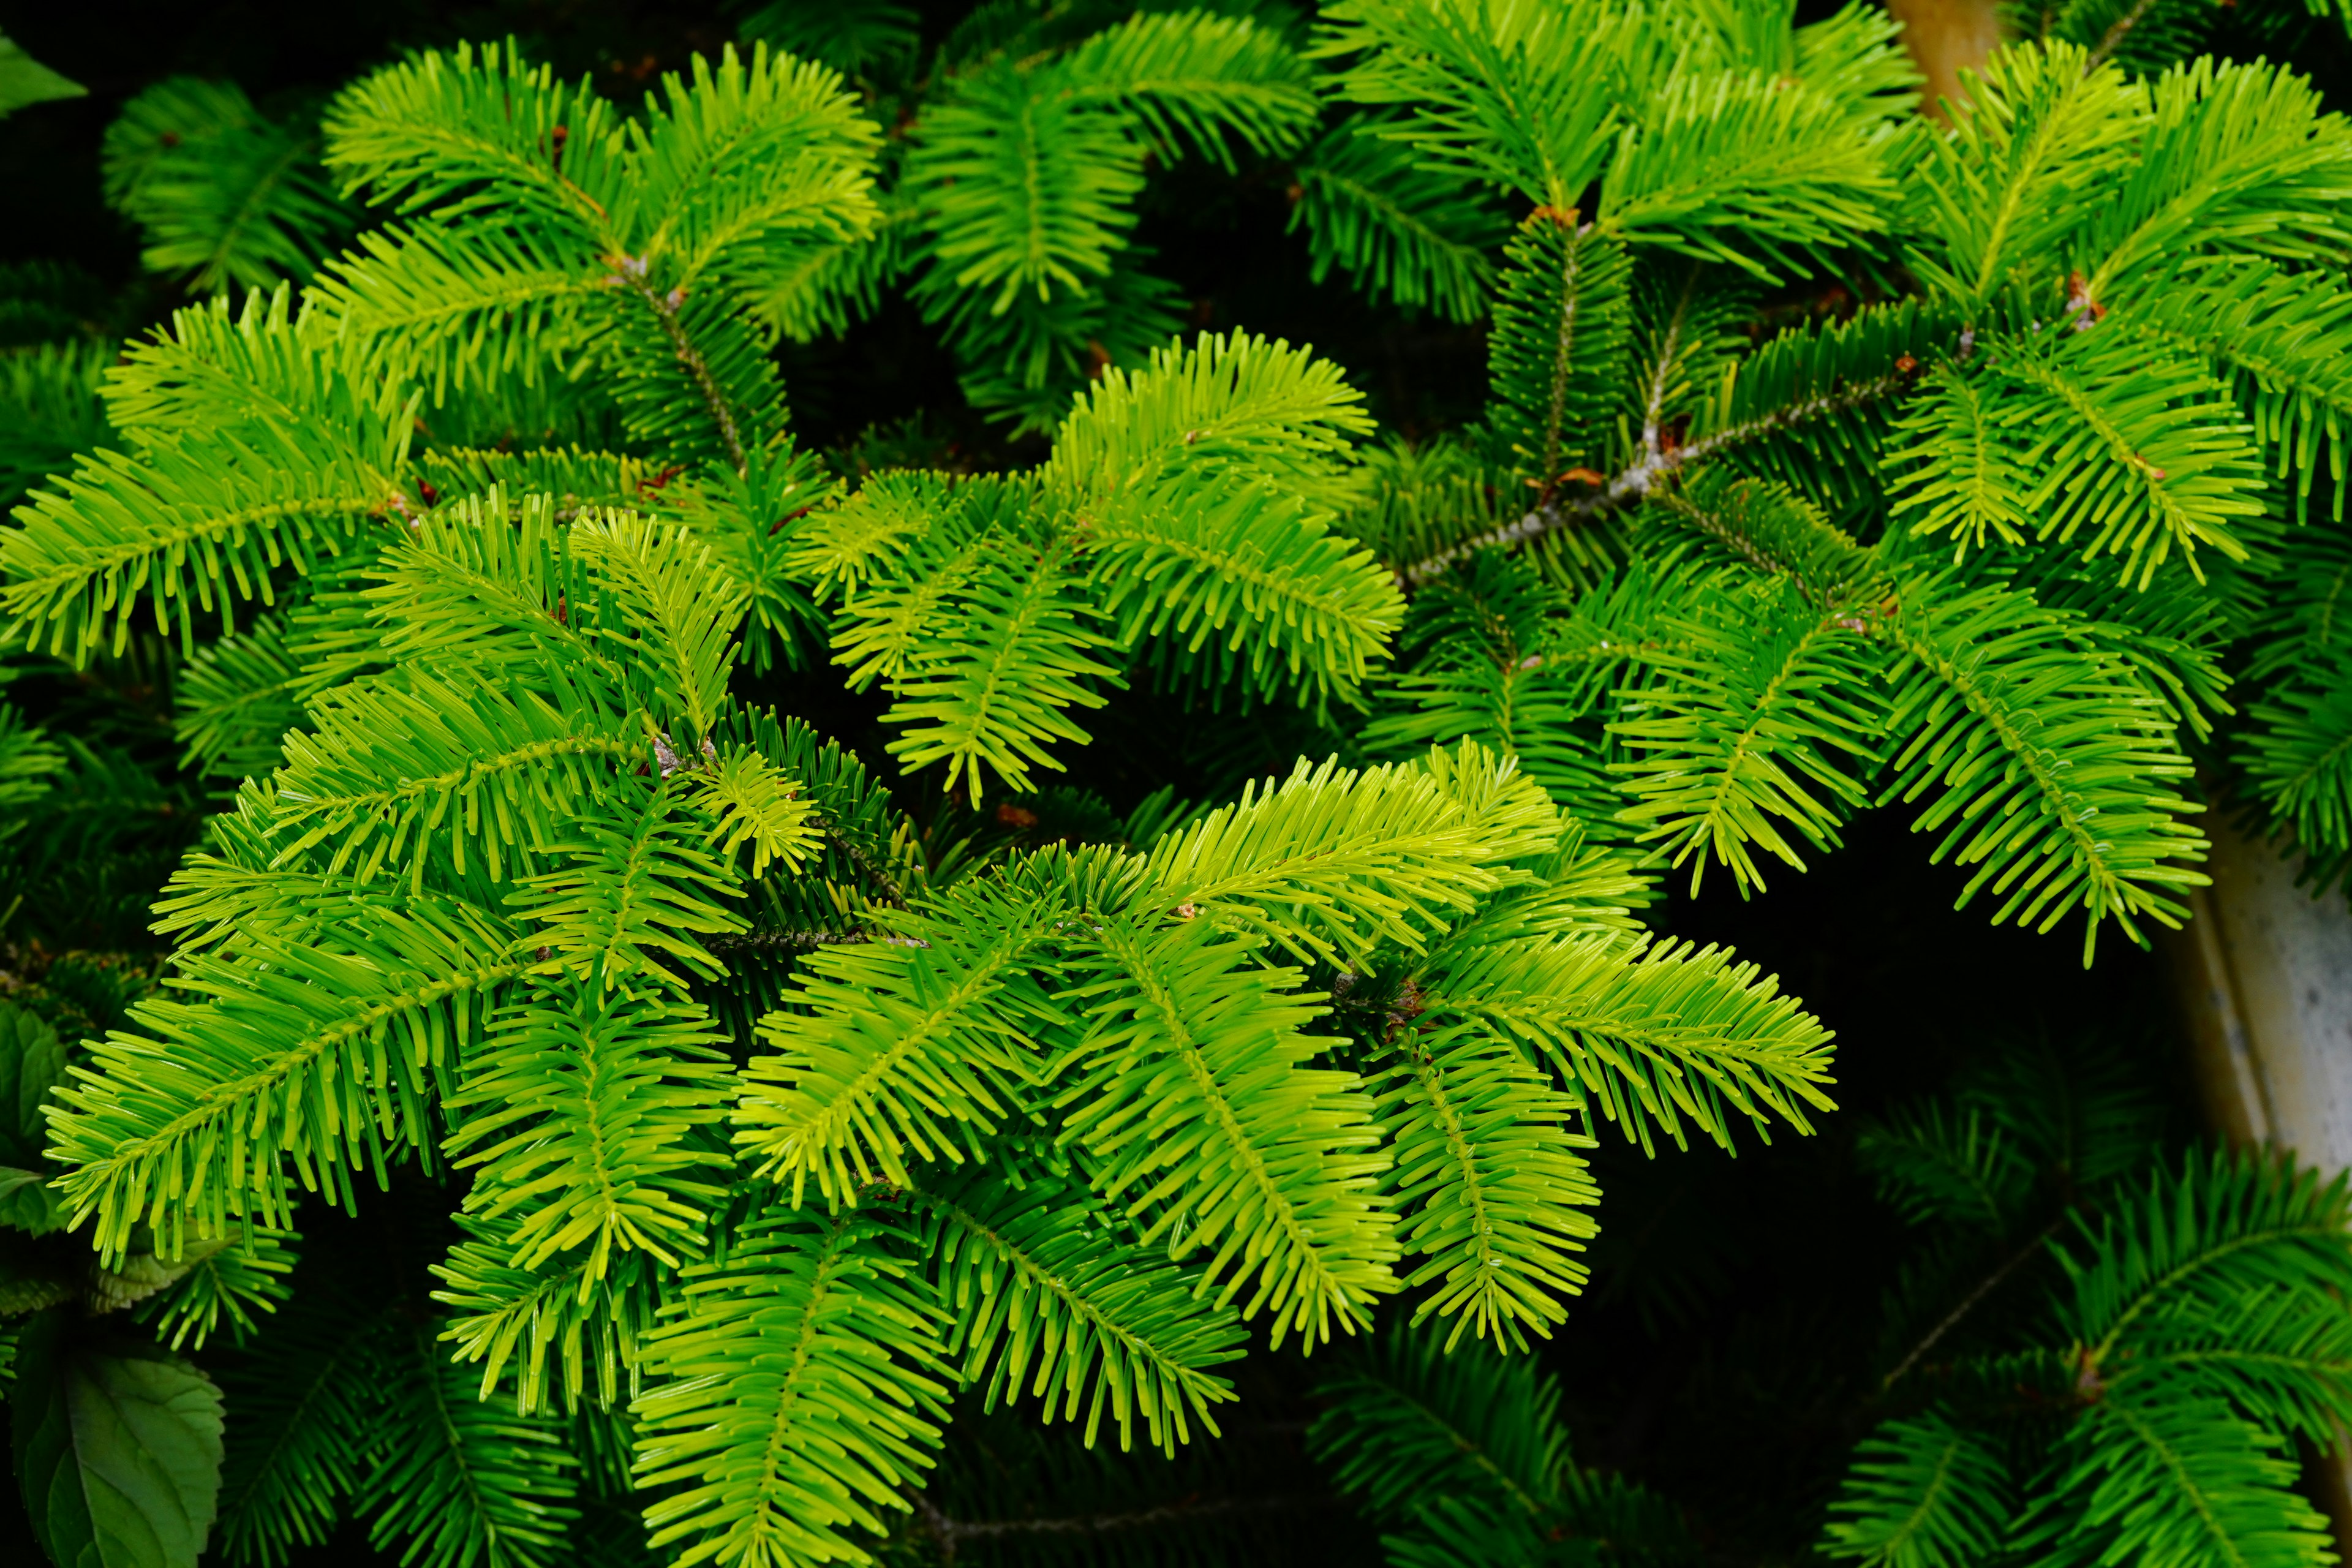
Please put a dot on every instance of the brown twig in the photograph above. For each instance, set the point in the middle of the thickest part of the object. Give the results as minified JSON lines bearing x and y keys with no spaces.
{"x":1985,"y":1286}
{"x":631,"y":270}
{"x":1635,"y":481}
{"x":950,"y":1532}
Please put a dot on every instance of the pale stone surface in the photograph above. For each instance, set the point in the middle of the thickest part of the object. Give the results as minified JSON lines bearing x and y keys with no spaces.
{"x":2268,"y":982}
{"x":1945,"y":38}
{"x":2264,"y":972}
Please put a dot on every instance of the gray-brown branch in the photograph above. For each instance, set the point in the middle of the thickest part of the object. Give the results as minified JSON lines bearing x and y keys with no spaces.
{"x":632,"y":272}
{"x":1634,"y":481}
{"x":950,"y":1532}
{"x":1985,"y":1288}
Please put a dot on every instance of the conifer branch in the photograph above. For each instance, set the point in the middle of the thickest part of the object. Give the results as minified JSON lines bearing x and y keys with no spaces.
{"x":1638,"y":478}
{"x":631,"y":270}
{"x":2117,"y":31}
{"x":951,"y":1532}
{"x":786,"y":939}
{"x":1969,"y":1303}
{"x":779,"y":1113}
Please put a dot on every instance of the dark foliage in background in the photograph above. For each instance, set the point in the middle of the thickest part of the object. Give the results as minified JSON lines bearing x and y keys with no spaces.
{"x":1734,"y":1341}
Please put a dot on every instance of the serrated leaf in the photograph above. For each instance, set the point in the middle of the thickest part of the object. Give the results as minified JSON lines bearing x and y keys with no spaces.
{"x":118,"y":1450}
{"x":32,"y":1059}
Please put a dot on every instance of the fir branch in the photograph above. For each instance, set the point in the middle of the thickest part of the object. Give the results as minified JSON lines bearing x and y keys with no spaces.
{"x":1044,"y":1293}
{"x":800,"y":1392}
{"x":951,"y":1532}
{"x":630,"y":271}
{"x":465,"y":1478}
{"x":1635,"y":481}
{"x":894,"y":1052}
{"x":2117,"y":31}
{"x":2083,"y":760}
{"x":1274,"y":1176}
{"x":1969,"y":1303}
{"x":784,"y":939}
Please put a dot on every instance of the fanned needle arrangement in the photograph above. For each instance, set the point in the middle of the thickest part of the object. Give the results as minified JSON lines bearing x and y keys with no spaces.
{"x":499,"y":1077}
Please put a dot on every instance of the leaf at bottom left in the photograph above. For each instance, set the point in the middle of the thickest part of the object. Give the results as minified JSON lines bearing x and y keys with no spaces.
{"x":118,"y":1447}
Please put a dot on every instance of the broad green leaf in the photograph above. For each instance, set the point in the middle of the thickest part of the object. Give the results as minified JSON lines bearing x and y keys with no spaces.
{"x":31,"y":1059}
{"x":26,"y":1203}
{"x":25,"y":80}
{"x":118,"y":1449}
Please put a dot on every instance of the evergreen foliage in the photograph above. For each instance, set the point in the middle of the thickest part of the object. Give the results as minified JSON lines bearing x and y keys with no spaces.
{"x":1984,"y":552}
{"x":586,"y":1111}
{"x":1463,"y":1458}
{"x":1009,"y":190}
{"x":222,"y":193}
{"x":2138,"y":1407}
{"x":2144,"y":1409}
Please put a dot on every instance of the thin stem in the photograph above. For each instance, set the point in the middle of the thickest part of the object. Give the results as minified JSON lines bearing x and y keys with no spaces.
{"x":2113,"y":39}
{"x":768,"y":941}
{"x":1985,"y":1286}
{"x":774,"y":941}
{"x":1654,"y":405}
{"x":665,"y":314}
{"x":892,"y":893}
{"x":1634,"y":481}
{"x":1563,"y":361}
{"x":950,"y":1532}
